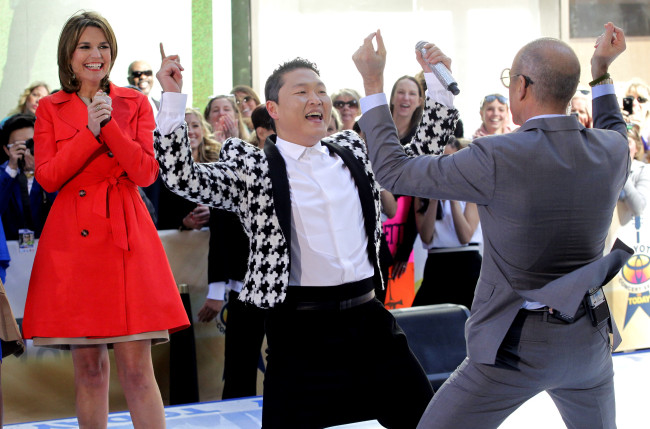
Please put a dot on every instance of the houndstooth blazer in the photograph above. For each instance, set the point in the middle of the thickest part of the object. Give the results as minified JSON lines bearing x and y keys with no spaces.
{"x":253,"y":183}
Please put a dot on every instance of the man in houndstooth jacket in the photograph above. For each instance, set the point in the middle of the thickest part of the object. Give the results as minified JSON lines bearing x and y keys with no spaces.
{"x":310,"y":207}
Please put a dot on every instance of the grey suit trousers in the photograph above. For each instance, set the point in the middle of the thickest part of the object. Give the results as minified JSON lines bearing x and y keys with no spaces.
{"x":572,"y":362}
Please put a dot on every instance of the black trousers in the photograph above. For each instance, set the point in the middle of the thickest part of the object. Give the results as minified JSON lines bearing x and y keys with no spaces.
{"x":449,"y":278}
{"x":331,"y":367}
{"x":244,"y":337}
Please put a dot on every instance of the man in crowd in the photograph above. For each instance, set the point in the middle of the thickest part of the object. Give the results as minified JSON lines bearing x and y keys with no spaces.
{"x":545,"y":194}
{"x":24,"y":204}
{"x":141,"y":76}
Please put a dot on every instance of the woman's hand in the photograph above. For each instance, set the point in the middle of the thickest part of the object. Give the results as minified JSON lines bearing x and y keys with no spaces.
{"x":170,"y":74}
{"x":99,"y":112}
{"x":225,"y":129}
{"x":230,"y":127}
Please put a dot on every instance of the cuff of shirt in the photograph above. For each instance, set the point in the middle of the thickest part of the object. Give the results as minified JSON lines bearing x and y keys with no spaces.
{"x":371,"y":101}
{"x":600,"y":90}
{"x":11,"y":172}
{"x":217,"y":291}
{"x":437,"y":92}
{"x":171,"y":114}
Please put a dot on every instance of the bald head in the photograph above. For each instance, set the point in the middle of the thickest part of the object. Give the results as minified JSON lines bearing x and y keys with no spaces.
{"x":141,"y":75}
{"x":553,"y":67}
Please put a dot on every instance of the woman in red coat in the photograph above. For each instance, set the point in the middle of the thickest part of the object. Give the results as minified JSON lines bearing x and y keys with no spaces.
{"x":101,"y":277}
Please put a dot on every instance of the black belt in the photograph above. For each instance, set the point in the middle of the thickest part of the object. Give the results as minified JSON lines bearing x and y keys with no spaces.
{"x":330,"y":298}
{"x":545,"y":314}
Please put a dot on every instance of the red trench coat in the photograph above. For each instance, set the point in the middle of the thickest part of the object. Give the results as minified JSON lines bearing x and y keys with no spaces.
{"x":100,"y":268}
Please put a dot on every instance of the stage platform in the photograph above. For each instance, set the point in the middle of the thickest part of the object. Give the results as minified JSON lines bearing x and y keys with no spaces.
{"x":632,"y":381}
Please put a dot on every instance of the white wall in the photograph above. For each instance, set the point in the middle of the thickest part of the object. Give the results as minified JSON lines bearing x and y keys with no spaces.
{"x":30,"y":34}
{"x":480,"y":37}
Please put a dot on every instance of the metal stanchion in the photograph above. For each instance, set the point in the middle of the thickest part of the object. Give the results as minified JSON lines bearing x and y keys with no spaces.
{"x":183,"y":378}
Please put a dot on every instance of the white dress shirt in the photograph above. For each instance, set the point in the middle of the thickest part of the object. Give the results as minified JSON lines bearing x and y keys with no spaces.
{"x":328,"y":234}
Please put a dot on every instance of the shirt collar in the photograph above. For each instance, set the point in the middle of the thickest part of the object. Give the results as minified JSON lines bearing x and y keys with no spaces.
{"x":550,"y":115}
{"x":295,"y":151}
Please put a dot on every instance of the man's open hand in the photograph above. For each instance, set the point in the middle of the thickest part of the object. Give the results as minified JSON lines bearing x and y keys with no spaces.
{"x":371,"y":62}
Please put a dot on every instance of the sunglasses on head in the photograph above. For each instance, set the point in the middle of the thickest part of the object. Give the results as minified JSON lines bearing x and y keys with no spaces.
{"x":137,"y":74}
{"x":340,"y":104}
{"x":490,"y":98}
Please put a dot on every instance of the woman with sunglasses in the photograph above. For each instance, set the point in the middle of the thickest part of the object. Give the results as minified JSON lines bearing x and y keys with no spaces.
{"x":247,"y":100}
{"x":346,"y":101}
{"x":226,"y":120}
{"x":495,"y":116}
{"x":640,"y":93}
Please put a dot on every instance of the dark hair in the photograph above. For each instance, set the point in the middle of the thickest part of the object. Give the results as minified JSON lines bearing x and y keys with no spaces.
{"x":261,"y":118}
{"x":417,"y":113}
{"x":68,"y":40}
{"x":16,"y":122}
{"x":13,"y":123}
{"x":275,"y":81}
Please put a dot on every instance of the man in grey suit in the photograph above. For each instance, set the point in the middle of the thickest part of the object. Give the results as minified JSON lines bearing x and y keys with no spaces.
{"x":546,"y":194}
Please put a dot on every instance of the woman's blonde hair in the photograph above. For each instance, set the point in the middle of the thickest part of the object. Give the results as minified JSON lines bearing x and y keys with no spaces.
{"x":209,"y":147}
{"x":68,"y":40}
{"x":22,"y":100}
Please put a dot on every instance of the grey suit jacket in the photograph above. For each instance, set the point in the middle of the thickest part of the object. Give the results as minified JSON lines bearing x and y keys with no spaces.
{"x":545,"y":194}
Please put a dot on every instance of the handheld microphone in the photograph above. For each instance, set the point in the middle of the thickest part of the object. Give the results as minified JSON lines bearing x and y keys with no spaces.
{"x":441,"y":71}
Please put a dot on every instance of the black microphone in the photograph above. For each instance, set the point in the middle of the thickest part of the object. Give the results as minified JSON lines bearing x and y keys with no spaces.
{"x":441,"y":71}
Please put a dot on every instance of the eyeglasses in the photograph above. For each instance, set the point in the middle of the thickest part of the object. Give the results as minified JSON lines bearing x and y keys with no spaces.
{"x":137,"y":74}
{"x":506,"y":77}
{"x":490,"y":98}
{"x":351,"y":104}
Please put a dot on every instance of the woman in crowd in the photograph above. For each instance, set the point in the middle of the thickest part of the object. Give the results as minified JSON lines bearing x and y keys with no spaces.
{"x":581,"y":106}
{"x":247,"y":100}
{"x":346,"y":101}
{"x":335,"y":124}
{"x":640,"y":93}
{"x":495,"y":116}
{"x":28,"y":101}
{"x":100,"y":277}
{"x":636,"y":191}
{"x":451,"y":232}
{"x":225,"y":118}
{"x":406,"y":106}
{"x":175,"y":212}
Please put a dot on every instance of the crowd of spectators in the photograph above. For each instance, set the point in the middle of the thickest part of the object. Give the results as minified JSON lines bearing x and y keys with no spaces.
{"x":450,"y":230}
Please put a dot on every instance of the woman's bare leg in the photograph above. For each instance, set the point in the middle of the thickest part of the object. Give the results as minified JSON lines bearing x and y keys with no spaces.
{"x":91,"y":377}
{"x":135,"y":370}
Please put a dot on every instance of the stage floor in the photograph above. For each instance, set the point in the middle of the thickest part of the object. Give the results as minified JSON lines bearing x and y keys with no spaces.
{"x":632,"y":380}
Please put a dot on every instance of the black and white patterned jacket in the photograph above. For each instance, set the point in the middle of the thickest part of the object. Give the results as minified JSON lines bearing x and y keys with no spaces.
{"x":253,"y":183}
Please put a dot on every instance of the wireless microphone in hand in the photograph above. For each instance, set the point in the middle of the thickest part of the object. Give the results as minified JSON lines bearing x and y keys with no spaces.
{"x":441,"y":71}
